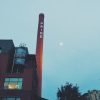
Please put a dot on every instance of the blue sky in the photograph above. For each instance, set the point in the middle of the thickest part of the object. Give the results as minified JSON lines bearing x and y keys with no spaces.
{"x":75,"y":23}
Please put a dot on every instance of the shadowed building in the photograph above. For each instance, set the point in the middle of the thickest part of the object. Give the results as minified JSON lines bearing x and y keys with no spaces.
{"x":21,"y":72}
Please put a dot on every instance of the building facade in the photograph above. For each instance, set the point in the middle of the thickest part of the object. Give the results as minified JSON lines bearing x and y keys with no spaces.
{"x":92,"y":95}
{"x":20,"y":73}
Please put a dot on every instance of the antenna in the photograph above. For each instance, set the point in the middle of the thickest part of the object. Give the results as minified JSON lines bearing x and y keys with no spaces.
{"x":22,"y":45}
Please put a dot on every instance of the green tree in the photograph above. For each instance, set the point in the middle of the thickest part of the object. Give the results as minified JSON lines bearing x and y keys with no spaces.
{"x":68,"y":92}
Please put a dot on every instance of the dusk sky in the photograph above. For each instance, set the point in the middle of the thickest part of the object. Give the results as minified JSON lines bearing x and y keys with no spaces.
{"x":71,"y":39}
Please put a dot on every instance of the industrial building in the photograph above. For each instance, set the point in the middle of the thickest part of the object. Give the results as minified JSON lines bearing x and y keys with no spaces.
{"x":92,"y":95}
{"x":21,"y":72}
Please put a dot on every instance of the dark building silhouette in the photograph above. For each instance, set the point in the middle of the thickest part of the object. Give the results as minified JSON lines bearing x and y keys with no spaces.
{"x":21,"y":72}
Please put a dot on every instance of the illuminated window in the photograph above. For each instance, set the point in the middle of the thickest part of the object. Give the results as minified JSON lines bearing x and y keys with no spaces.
{"x":13,"y":83}
{"x":9,"y":98}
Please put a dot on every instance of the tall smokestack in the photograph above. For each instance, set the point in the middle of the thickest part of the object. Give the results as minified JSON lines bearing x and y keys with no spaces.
{"x":39,"y":51}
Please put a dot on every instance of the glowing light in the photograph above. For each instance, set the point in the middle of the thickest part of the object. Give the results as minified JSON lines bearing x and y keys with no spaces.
{"x":12,"y":86}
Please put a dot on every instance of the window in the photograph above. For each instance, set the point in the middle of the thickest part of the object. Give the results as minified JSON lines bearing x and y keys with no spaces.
{"x":19,"y":61}
{"x":0,"y":50}
{"x":10,"y":98}
{"x":13,"y":83}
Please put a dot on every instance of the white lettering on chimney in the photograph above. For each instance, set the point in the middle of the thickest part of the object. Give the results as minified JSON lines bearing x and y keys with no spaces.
{"x":41,"y":29}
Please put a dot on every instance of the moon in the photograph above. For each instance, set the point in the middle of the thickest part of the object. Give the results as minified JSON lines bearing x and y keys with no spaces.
{"x":61,"y":43}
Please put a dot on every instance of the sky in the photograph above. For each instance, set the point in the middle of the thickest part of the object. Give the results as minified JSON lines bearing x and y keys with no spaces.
{"x":71,"y":39}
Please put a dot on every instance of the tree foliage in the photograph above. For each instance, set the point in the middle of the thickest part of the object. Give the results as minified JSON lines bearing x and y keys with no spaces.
{"x":68,"y":92}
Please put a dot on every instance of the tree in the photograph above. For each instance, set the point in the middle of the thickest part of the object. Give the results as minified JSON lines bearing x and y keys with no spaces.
{"x":68,"y":92}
